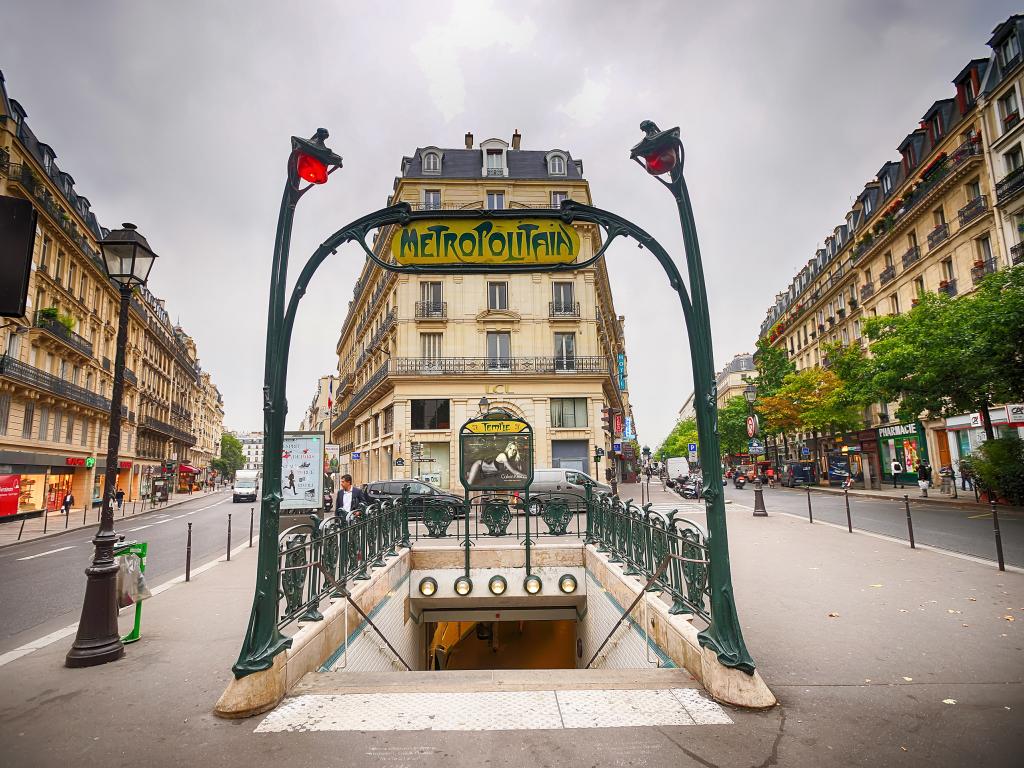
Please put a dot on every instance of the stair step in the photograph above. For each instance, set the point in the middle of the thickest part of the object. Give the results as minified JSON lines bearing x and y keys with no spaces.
{"x":342,"y":682}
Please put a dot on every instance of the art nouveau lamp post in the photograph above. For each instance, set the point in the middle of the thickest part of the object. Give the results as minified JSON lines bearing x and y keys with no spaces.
{"x":128,"y":259}
{"x":661,"y":154}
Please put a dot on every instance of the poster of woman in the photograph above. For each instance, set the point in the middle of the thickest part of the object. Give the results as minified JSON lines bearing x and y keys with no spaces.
{"x":496,"y":461}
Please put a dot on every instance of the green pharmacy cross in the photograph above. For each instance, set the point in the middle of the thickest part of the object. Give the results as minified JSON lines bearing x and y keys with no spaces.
{"x":474,"y":241}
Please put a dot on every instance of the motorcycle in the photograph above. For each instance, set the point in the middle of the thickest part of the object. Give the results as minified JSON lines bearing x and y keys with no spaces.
{"x":739,"y":481}
{"x":691,"y":489}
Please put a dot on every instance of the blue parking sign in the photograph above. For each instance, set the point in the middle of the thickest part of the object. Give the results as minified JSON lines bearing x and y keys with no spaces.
{"x":692,"y":447}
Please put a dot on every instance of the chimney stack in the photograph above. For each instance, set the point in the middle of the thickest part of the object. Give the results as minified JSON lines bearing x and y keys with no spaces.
{"x":469,"y":141}
{"x":517,"y":138}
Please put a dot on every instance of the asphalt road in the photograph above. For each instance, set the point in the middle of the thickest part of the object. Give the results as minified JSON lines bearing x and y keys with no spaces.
{"x":967,"y":530}
{"x":42,"y":582}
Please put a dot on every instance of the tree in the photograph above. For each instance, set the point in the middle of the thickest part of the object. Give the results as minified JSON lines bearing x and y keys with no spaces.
{"x":998,"y":466}
{"x":678,"y":441}
{"x":951,"y":356}
{"x":231,"y":458}
{"x":773,"y":366}
{"x":732,"y":426}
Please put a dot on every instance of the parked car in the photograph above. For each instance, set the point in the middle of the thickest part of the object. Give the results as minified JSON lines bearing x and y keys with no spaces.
{"x":420,"y":494}
{"x":558,"y":483}
{"x":796,"y":473}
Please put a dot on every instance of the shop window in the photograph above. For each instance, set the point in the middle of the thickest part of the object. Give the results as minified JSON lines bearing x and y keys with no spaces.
{"x":430,"y":414}
{"x":568,"y":412}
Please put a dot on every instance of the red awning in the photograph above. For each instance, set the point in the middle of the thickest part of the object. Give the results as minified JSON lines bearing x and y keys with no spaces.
{"x":187,"y":468}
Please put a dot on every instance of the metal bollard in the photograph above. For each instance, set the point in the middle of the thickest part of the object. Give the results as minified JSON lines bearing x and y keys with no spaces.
{"x":251,"y":512}
{"x":67,"y":519}
{"x":85,"y":511}
{"x":810,"y":514}
{"x":999,"y":540}
{"x":910,"y":522}
{"x":229,"y":537}
{"x":20,"y":530}
{"x":188,"y":554}
{"x":759,"y":508}
{"x":849,"y":520}
{"x":46,"y":519}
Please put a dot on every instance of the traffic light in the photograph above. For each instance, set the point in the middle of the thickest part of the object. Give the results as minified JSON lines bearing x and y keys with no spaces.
{"x":608,"y":419}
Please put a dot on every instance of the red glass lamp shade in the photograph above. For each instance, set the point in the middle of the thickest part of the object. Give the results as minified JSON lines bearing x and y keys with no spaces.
{"x":311,"y":169}
{"x":661,"y":160}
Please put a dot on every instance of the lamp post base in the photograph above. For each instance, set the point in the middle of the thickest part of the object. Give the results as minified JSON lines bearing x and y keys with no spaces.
{"x":97,"y":641}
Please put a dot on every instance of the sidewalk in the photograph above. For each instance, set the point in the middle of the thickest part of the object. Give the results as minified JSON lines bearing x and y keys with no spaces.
{"x":879,"y":655}
{"x":964,"y":498}
{"x":54,"y":523}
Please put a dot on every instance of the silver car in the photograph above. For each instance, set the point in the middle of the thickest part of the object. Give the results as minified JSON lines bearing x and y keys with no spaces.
{"x":566,"y":484}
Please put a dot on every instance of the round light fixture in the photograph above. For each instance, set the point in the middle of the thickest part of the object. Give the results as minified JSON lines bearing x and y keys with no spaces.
{"x":497,"y":585}
{"x":567,"y":583}
{"x":533,"y":584}
{"x":463,"y":585}
{"x":428,"y":586}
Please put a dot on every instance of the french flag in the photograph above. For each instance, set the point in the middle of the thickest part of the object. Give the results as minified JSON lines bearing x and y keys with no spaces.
{"x":330,"y":395}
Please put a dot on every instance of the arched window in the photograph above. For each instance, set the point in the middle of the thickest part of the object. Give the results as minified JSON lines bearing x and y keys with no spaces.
{"x":556,"y":166}
{"x":431,"y":163}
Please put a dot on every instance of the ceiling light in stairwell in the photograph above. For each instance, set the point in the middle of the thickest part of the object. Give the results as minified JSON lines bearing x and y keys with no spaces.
{"x":463,"y":585}
{"x":497,"y":585}
{"x":567,"y":583}
{"x":533,"y":584}
{"x":428,"y":587}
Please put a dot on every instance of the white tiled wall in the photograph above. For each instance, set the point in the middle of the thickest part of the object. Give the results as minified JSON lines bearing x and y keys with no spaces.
{"x":628,"y":648}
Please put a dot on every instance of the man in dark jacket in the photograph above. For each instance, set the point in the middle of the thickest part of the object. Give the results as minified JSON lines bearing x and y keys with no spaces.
{"x":349,"y":500}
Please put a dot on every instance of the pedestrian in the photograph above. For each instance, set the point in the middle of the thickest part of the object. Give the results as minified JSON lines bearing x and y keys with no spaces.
{"x":119,"y":495}
{"x":349,"y":500}
{"x":648,"y":471}
{"x":67,"y":503}
{"x":897,"y":474}
{"x":966,"y":476}
{"x":924,"y":477}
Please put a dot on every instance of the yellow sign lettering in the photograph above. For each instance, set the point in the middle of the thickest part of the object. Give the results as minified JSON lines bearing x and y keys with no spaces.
{"x":505,"y":242}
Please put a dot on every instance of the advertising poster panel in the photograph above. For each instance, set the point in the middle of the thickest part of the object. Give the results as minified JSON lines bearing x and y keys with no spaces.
{"x":497,"y":454}
{"x":302,"y":470}
{"x":10,"y":492}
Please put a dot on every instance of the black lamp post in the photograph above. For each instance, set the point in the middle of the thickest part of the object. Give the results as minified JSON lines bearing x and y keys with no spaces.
{"x":750,"y":395}
{"x":128,"y":259}
{"x":484,"y":404}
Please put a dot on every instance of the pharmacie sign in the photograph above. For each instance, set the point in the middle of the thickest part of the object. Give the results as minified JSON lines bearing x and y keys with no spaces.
{"x":429,"y":242}
{"x":897,"y":430}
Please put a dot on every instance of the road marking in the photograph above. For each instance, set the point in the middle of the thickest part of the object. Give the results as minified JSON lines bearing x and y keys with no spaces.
{"x":141,"y":527}
{"x":52,"y":551}
{"x":45,"y":640}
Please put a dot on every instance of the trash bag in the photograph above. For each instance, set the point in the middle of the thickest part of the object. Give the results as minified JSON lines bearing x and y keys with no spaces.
{"x":131,"y":582}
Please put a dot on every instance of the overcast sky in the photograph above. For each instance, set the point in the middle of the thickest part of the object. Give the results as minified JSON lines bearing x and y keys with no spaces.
{"x":176,"y":116}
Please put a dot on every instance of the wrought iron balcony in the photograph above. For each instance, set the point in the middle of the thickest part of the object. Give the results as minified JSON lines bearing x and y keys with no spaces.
{"x":1017,"y":254}
{"x":106,"y":363}
{"x":33,"y":377}
{"x":57,"y":329}
{"x":370,"y":385}
{"x":973,"y":210}
{"x":867,"y":291}
{"x":948,"y":287}
{"x":469,"y":366}
{"x":164,"y":428}
{"x":130,"y":377}
{"x":1010,"y":185}
{"x":887,"y":275}
{"x":913,"y":254}
{"x":563,"y":309}
{"x":495,"y":171}
{"x":431,"y":310}
{"x":938,"y":236}
{"x":982,"y":269}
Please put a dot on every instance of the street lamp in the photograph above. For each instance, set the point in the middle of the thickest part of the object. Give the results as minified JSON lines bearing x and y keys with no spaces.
{"x":484,"y":404}
{"x":127,"y":259}
{"x":750,"y":394}
{"x":660,"y":153}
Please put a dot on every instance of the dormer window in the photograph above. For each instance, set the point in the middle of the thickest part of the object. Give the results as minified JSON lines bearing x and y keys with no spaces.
{"x":867,"y":206}
{"x":494,"y":165}
{"x":936,"y":127}
{"x":431,"y":162}
{"x":1008,"y":51}
{"x":47,"y":161}
{"x":1009,"y":110}
{"x":557,"y":164}
{"x":886,"y":184}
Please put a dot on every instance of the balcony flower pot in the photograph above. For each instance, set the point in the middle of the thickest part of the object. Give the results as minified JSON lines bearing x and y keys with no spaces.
{"x":979,"y":263}
{"x":944,"y":284}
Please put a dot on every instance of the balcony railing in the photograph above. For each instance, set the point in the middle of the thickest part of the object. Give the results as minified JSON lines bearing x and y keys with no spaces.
{"x":1017,"y":254}
{"x":887,"y":275}
{"x":563,"y":309}
{"x":164,"y":428}
{"x":912,"y":255}
{"x":867,"y":291}
{"x":938,"y":236}
{"x":495,"y":171}
{"x":973,"y":210}
{"x":978,"y":273}
{"x":129,"y":376}
{"x":427,"y":310}
{"x":106,"y":363}
{"x":368,"y":387}
{"x":61,"y":331}
{"x":468,"y":366}
{"x":33,"y":377}
{"x":948,"y":287}
{"x":1010,"y":185}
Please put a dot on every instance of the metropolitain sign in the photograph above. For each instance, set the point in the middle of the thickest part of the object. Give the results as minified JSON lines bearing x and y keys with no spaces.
{"x":504,"y":242}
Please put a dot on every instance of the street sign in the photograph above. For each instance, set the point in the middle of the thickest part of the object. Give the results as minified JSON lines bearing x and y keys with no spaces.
{"x":693,"y":456}
{"x":692,"y":447}
{"x":752,"y":426}
{"x":756,"y":448}
{"x":805,"y":451}
{"x":399,"y":462}
{"x":619,"y":424}
{"x":355,"y":455}
{"x":599,"y":452}
{"x":616,"y":447}
{"x":526,"y":242}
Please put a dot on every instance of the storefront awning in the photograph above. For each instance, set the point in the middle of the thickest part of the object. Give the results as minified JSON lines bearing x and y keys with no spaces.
{"x":188,"y":468}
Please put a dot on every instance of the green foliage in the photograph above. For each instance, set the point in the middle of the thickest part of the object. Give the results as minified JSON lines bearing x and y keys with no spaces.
{"x":732,"y":426}
{"x":999,"y":464}
{"x":950,"y":356}
{"x":773,"y":366}
{"x":678,"y":440}
{"x":812,"y":400}
{"x":853,"y":367}
{"x":231,"y":458}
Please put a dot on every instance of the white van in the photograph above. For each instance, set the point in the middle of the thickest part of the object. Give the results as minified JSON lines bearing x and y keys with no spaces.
{"x":678,"y":469}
